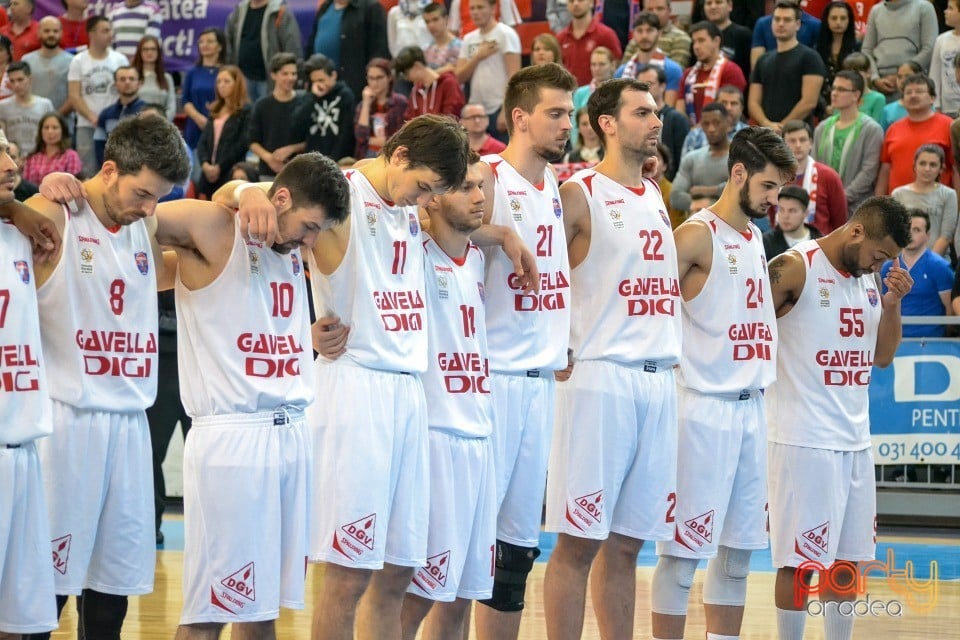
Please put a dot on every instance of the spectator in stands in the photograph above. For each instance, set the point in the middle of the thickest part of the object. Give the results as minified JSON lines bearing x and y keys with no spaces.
{"x":270,"y":140}
{"x":6,"y":57}
{"x":665,"y":163}
{"x":406,"y":27}
{"x":619,"y":15}
{"x":23,"y":189}
{"x":380,"y":111}
{"x":646,"y":36}
{"x":198,"y":89}
{"x":74,"y":24}
{"x":488,"y":59}
{"x":944,"y":61}
{"x":351,"y":33}
{"x":128,"y":104}
{"x":544,"y":49}
{"x":49,"y":66}
{"x":703,"y":173}
{"x":441,"y":54}
{"x":765,"y":37}
{"x":928,"y":194}
{"x":932,"y":280}
{"x":602,"y":64}
{"x":775,"y":94}
{"x":872,"y":102}
{"x":745,"y":12}
{"x":257,"y":30}
{"x":557,"y":14}
{"x":22,"y":29}
{"x":898,"y":31}
{"x":156,"y":85}
{"x":827,"y":209}
{"x":896,"y":110}
{"x":586,"y":146}
{"x":791,"y":228}
{"x":225,"y":140}
{"x":581,"y":37}
{"x":701,"y":83}
{"x":432,"y":92}
{"x":462,"y":21}
{"x":475,"y":120}
{"x":675,"y":124}
{"x":21,"y":113}
{"x":91,"y":88}
{"x":326,"y":121}
{"x":132,"y":20}
{"x":837,"y":40}
{"x":244,"y":171}
{"x":921,"y":126}
{"x":849,"y":141}
{"x":53,"y":152}
{"x":732,"y":100}
{"x":674,"y":41}
{"x":735,"y":39}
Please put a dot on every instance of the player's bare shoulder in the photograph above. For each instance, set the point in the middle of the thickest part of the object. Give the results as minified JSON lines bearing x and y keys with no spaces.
{"x":694,"y":242}
{"x":56,"y":214}
{"x":787,"y":277}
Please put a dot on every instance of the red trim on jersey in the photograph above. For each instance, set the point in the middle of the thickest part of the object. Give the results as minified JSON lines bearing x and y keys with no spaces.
{"x":540,"y":185}
{"x":637,"y":191}
{"x":810,"y":255}
{"x":713,"y":225}
{"x":747,"y":235}
{"x":462,"y":260}
{"x":493,"y":168}
{"x":656,"y":185}
{"x":588,"y":182}
{"x":845,"y":274}
{"x":114,"y":229}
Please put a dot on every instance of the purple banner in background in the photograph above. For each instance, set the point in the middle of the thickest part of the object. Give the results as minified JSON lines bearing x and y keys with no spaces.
{"x":183,"y":20}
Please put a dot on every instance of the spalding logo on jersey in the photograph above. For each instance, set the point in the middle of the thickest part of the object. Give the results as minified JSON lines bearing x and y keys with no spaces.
{"x":557,"y":211}
{"x":23,"y":269}
{"x":296,"y":264}
{"x":142,"y":264}
{"x":872,"y":297}
{"x":414,"y":225}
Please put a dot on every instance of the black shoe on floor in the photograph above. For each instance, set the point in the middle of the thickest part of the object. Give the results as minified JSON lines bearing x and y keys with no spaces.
{"x":159,"y":538}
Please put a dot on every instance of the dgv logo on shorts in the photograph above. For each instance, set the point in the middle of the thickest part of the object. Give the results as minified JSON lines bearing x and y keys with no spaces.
{"x":61,"y":553}
{"x":814,"y":543}
{"x":696,"y":531}
{"x":239,"y":583}
{"x":434,"y":575}
{"x":356,"y":538}
{"x":586,"y":511}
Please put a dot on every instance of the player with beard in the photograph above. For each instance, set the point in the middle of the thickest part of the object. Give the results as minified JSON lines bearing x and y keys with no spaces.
{"x":730,"y":336}
{"x":834,"y":327}
{"x":98,"y":322}
{"x":525,"y":332}
{"x":612,"y":476}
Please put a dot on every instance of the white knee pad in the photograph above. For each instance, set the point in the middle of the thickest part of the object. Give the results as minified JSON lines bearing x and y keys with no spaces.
{"x":726,"y":582}
{"x":670,"y":589}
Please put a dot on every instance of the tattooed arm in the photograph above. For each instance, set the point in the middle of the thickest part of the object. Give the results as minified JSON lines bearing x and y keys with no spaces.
{"x":787,"y":277}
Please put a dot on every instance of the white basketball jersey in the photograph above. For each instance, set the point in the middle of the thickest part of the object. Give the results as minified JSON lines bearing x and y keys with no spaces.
{"x":24,"y":395}
{"x":457,"y":381}
{"x":378,"y":288}
{"x":626,"y":291}
{"x":244,"y":340}
{"x":98,"y":317}
{"x":528,"y":331}
{"x":825,"y":357}
{"x":730,"y":327}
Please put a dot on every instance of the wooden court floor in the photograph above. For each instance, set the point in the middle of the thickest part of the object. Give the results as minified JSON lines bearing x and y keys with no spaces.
{"x":155,"y":616}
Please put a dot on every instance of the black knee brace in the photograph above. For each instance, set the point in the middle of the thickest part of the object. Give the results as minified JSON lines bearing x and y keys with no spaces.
{"x":512,"y":565}
{"x":100,"y":615}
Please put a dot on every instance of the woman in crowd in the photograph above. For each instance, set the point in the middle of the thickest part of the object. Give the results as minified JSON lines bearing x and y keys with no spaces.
{"x":927,"y":193}
{"x":224,"y":141}
{"x":245,"y":171}
{"x":602,"y":66}
{"x":53,"y":152}
{"x":837,"y":40}
{"x":156,"y":85}
{"x":380,"y":112}
{"x":587,"y":147}
{"x":198,"y":85}
{"x":545,"y":48}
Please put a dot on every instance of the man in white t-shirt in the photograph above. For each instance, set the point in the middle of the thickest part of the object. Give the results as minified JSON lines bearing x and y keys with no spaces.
{"x":489,"y":57}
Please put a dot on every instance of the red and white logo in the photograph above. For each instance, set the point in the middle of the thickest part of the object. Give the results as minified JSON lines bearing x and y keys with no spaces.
{"x":814,"y":543}
{"x":696,"y":531}
{"x":61,"y":553}
{"x":586,"y":511}
{"x":357,"y":537}
{"x":434,"y":575}
{"x":242,"y":582}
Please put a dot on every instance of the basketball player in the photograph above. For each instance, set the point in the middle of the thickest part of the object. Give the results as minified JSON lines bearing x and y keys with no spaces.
{"x":729,"y":332}
{"x":98,"y":318}
{"x":834,"y":325}
{"x":525,"y":333}
{"x":247,"y":376}
{"x":371,"y":452}
{"x":613,"y":465}
{"x":456,"y":385}
{"x":27,"y":597}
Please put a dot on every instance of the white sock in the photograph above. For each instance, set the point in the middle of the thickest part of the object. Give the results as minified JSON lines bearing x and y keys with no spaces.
{"x":790,"y":624}
{"x":717,"y":636}
{"x":836,"y":625}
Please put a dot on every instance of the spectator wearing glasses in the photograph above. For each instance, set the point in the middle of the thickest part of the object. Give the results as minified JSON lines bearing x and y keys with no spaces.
{"x":476,"y":121}
{"x":380,"y":111}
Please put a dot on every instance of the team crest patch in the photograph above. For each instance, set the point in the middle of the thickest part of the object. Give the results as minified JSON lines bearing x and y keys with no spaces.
{"x":86,"y":260}
{"x":414,"y":225}
{"x":616,"y":217}
{"x":296,"y":264}
{"x":664,"y":217}
{"x":732,"y":263}
{"x":515,"y":210}
{"x":23,"y":270}
{"x":254,"y":261}
{"x":557,"y":211}
{"x":872,"y":297}
{"x":483,"y":295}
{"x":442,"y":292}
{"x":824,"y":297}
{"x":143,"y":265}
